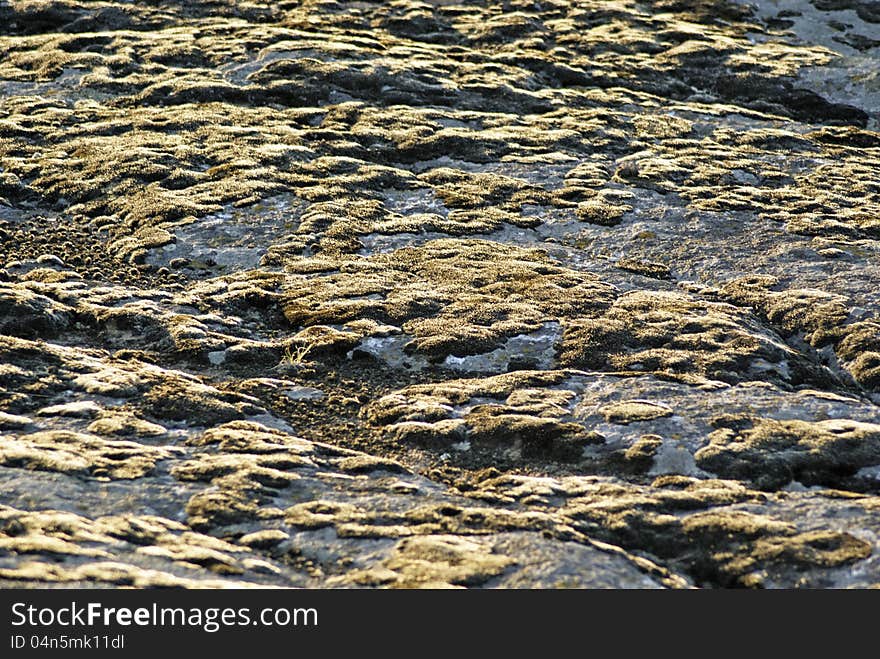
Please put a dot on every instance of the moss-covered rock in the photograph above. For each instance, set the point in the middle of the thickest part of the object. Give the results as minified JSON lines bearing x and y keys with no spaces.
{"x":773,"y":453}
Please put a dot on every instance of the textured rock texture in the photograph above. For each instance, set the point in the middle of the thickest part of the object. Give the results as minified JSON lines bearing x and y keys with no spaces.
{"x":427,"y":294}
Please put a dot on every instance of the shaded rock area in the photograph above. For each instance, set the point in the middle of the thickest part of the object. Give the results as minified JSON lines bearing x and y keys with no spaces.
{"x":426,"y":294}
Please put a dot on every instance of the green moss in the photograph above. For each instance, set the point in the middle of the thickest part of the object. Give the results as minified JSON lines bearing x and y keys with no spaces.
{"x":772,"y":453}
{"x":453,"y":297}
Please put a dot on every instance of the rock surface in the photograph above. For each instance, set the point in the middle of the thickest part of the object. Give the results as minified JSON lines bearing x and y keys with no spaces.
{"x":425,"y":294}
